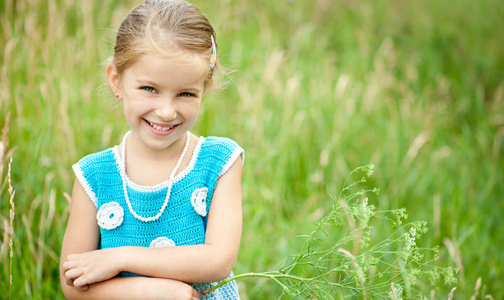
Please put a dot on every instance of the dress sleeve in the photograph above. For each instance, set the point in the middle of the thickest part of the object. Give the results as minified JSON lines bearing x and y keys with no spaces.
{"x":91,"y":172}
{"x":235,"y":151}
{"x":79,"y":173}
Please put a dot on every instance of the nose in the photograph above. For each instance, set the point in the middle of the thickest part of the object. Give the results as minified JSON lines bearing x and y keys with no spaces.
{"x":167,"y":109}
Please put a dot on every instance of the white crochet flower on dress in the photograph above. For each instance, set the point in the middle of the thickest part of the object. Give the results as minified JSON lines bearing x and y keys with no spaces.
{"x":161,"y":242}
{"x":110,"y":215}
{"x":198,"y":201}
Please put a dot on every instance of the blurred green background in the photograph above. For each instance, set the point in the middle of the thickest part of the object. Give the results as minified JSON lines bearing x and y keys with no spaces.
{"x":319,"y":88}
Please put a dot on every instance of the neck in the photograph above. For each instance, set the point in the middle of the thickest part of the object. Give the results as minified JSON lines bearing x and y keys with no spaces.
{"x":147,"y":166}
{"x":137,"y":149}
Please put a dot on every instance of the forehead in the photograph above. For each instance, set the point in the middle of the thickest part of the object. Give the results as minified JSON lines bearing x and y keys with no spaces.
{"x":177,"y":67}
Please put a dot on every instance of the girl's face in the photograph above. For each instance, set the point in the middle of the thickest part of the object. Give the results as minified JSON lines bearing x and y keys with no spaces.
{"x":162,"y":97}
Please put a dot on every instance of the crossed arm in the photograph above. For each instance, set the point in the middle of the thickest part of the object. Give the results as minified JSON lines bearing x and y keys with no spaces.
{"x":88,"y":273}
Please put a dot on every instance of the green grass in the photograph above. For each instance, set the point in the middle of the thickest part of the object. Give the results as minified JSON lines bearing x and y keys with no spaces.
{"x":320,"y":87}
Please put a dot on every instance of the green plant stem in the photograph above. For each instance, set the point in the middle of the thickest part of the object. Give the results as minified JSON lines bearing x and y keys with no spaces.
{"x":274,"y":275}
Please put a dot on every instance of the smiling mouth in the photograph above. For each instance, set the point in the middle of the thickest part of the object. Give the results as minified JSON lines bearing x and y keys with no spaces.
{"x":160,"y":128}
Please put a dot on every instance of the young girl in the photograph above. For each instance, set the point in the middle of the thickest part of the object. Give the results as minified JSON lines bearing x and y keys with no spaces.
{"x":159,"y":216}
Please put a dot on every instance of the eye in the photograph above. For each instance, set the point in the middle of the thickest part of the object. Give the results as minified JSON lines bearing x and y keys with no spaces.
{"x":187,"y":94}
{"x":148,"y":89}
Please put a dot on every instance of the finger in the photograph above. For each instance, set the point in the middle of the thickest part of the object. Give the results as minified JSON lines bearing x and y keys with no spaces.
{"x":83,"y":288}
{"x":80,"y":283}
{"x":195,"y":294}
{"x":71,"y":275}
{"x":84,"y":280}
{"x":73,"y":257}
{"x":69,"y":264}
{"x":69,"y":281}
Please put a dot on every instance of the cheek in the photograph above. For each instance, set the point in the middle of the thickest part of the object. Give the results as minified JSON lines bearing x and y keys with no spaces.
{"x":135,"y":104}
{"x":191,"y":111}
{"x":134,"y":110}
{"x":196,"y":109}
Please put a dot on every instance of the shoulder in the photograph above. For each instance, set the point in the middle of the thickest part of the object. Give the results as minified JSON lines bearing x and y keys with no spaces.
{"x":220,"y":144}
{"x":223,"y":152}
{"x":91,"y":168}
{"x":97,"y":159}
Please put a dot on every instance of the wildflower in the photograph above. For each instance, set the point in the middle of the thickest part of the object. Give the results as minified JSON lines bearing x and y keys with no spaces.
{"x":373,"y":268}
{"x":421,"y":227}
{"x":410,"y":238}
{"x":410,"y":278}
{"x":399,"y":214}
{"x":395,"y":292}
{"x":366,"y":238}
{"x":369,"y":169}
{"x":366,"y":212}
{"x":433,"y":276}
{"x":449,"y":275}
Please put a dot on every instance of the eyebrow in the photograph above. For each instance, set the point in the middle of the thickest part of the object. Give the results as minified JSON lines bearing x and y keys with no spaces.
{"x":146,"y":81}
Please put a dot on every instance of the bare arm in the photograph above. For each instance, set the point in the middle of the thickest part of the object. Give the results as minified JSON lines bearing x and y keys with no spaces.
{"x":82,"y":236}
{"x":82,"y":233}
{"x":209,"y":262}
{"x":124,"y":288}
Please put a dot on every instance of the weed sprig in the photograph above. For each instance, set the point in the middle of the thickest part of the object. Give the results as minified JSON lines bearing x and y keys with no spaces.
{"x":324,"y":268}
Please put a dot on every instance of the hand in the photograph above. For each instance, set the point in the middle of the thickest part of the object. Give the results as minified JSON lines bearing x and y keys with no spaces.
{"x":83,"y":269}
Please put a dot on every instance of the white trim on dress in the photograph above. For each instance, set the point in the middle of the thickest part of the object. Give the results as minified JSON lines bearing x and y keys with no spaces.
{"x":85,"y":184}
{"x":238,"y":151}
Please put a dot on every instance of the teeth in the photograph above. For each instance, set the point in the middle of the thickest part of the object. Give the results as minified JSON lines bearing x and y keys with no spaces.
{"x":159,"y":127}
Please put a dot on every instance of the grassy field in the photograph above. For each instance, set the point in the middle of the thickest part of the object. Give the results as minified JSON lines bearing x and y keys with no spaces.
{"x":320,"y":88}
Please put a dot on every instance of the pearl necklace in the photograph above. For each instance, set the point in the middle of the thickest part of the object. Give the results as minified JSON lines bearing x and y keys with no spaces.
{"x":170,"y":184}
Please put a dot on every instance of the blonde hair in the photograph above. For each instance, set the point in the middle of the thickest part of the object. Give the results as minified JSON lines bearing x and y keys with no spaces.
{"x":168,"y":27}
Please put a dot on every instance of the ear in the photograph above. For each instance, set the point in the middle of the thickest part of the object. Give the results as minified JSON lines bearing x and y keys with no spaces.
{"x":208,"y":86}
{"x":113,"y":79}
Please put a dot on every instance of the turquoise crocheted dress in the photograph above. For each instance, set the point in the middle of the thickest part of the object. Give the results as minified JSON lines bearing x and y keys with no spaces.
{"x":183,"y":222}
